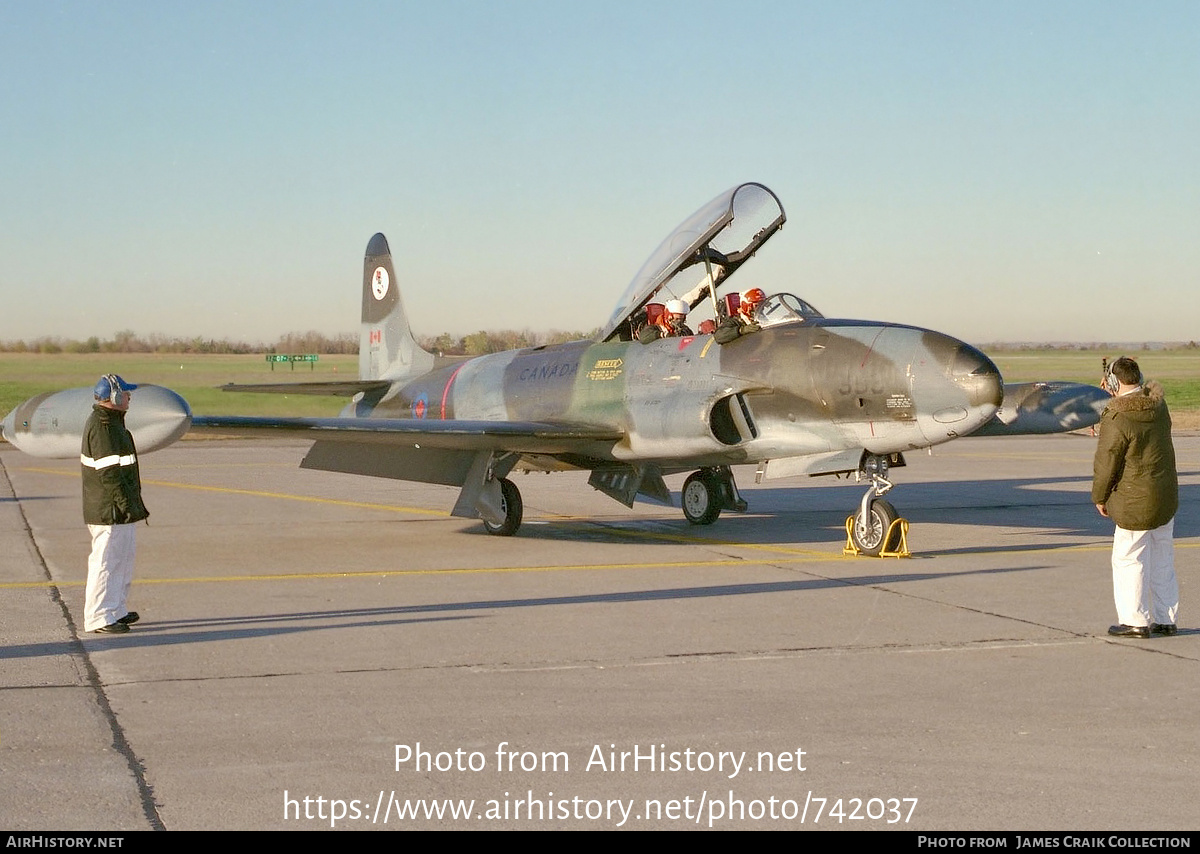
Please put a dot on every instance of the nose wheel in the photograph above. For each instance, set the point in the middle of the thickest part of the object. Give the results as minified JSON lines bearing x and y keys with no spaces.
{"x":878,"y":533}
{"x":876,"y":529}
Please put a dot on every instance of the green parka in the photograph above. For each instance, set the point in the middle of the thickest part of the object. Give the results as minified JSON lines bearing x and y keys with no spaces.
{"x":112,"y":486}
{"x":1134,"y":473}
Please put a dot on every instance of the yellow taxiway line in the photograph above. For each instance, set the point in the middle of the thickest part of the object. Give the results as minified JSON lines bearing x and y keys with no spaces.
{"x":257,"y":493}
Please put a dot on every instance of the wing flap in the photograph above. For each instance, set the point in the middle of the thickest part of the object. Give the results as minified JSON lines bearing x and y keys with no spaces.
{"x":423,"y":465}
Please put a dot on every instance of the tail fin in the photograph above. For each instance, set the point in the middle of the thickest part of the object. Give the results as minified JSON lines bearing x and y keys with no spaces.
{"x":386,"y":347}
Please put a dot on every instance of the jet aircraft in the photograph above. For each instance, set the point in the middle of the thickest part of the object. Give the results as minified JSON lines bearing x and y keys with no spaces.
{"x":802,"y":395}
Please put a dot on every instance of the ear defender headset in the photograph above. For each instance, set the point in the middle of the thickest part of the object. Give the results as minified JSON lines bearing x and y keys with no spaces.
{"x":119,"y":396}
{"x":113,"y":389}
{"x":1111,"y":383}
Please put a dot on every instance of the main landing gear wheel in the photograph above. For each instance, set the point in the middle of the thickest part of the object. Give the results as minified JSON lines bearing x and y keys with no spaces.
{"x":872,"y":538}
{"x":701,"y":500}
{"x":510,"y":503}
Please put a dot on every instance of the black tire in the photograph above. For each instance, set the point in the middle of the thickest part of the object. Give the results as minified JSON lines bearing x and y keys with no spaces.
{"x":700,"y":499}
{"x":510,"y":503}
{"x":874,"y":539}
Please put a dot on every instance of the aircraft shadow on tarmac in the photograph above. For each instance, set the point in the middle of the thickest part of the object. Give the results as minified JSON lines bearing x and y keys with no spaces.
{"x":1048,"y":505}
{"x":175,"y":632}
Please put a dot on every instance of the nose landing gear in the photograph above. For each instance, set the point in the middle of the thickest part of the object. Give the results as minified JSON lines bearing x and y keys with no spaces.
{"x":876,"y":529}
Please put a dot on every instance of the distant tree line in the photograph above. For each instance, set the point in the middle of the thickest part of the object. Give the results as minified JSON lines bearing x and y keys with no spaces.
{"x":483,"y":342}
{"x":127,"y":341}
{"x":1087,"y":345}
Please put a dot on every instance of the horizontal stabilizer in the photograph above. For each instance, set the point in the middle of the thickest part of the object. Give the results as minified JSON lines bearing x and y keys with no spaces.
{"x":335,"y":388}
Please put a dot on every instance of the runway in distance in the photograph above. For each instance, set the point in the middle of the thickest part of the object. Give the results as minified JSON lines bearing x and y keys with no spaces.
{"x":801,"y":395}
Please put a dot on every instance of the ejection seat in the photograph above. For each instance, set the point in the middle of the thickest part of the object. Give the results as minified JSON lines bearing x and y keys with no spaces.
{"x":733,"y":302}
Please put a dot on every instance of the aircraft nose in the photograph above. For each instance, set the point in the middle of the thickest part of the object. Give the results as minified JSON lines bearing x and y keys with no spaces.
{"x":958,"y":388}
{"x":977,"y":376}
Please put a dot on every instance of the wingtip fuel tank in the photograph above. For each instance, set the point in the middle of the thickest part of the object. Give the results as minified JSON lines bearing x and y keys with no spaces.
{"x":1046,"y":407}
{"x":51,"y":425}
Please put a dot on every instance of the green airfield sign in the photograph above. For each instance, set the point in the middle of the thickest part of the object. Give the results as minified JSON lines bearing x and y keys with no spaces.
{"x":311,"y":358}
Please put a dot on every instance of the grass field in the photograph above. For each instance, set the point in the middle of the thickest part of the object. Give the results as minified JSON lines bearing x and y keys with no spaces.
{"x":1177,"y":370}
{"x":196,"y":377}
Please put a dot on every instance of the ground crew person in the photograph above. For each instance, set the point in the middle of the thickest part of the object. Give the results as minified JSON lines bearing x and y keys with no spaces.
{"x":1135,"y":484}
{"x":112,"y":504}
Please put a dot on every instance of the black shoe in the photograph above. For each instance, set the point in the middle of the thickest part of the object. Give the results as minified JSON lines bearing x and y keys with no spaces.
{"x":1164,"y":629}
{"x":130,"y":618}
{"x":117,"y":628}
{"x":1124,"y":631}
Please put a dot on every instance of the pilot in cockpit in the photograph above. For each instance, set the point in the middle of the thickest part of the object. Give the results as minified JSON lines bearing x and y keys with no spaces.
{"x":669,"y":323}
{"x":749,"y":304}
{"x":741,"y":319}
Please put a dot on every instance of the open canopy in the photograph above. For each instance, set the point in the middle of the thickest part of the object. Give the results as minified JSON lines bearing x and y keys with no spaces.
{"x":701,"y":253}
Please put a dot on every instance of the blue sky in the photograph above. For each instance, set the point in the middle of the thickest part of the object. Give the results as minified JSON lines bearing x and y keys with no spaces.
{"x":996,"y":171}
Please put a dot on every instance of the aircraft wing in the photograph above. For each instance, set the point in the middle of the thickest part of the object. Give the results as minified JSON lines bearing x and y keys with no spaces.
{"x":454,"y":453}
{"x":532,"y":437}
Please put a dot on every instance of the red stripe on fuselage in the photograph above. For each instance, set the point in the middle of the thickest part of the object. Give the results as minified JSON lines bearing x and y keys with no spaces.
{"x":446,"y":390}
{"x":871,"y":347}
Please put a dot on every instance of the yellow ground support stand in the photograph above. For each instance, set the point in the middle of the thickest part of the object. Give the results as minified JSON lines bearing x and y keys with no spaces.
{"x":901,"y":549}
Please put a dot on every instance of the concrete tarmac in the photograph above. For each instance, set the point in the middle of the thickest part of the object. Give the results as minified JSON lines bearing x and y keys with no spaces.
{"x":324,"y":650}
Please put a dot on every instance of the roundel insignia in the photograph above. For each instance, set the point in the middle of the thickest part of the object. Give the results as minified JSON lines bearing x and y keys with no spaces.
{"x":379,"y":283}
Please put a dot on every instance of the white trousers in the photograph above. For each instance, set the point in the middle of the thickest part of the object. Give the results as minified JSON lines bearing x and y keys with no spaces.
{"x":1144,"y":585}
{"x":110,"y":574}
